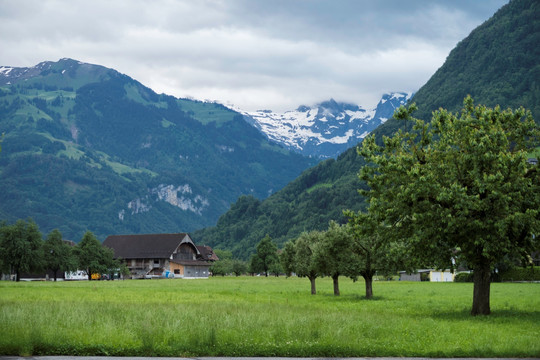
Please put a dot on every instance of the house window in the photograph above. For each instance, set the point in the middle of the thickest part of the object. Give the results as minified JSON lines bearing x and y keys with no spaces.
{"x":156,"y":261}
{"x":177,"y":271}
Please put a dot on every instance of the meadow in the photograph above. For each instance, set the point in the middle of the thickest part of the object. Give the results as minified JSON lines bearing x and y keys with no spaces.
{"x":257,"y":316}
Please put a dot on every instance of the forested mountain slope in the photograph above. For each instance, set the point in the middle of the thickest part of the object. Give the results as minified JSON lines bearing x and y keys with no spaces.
{"x":317,"y":196}
{"x":498,"y":63}
{"x":88,"y":148}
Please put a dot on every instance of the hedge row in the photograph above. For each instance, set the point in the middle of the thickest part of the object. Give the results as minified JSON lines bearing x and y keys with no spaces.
{"x":514,"y":274}
{"x":522,"y":274}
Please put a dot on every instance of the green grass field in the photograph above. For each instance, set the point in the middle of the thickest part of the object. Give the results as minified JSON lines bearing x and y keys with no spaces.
{"x":258,"y":316}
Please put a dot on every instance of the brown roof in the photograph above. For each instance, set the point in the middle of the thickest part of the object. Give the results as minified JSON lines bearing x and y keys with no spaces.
{"x":148,"y":246}
{"x":207,"y":253}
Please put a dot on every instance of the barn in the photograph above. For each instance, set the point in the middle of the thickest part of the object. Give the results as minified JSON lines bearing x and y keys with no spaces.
{"x":162,"y":255}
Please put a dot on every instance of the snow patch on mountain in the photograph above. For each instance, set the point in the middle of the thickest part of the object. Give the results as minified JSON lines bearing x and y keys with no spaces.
{"x":327,"y":129}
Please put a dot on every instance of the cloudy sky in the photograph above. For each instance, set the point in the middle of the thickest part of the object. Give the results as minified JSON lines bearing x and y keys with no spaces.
{"x":256,"y":54}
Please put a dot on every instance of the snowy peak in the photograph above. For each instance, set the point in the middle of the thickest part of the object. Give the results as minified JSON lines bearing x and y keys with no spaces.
{"x":326,"y":129}
{"x":389,"y":103}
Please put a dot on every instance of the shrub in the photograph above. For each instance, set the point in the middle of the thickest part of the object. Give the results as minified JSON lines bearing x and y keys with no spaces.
{"x":522,"y":274}
{"x":464,"y":277}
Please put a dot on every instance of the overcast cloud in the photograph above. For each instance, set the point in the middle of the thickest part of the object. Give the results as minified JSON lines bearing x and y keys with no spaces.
{"x":271,"y":54}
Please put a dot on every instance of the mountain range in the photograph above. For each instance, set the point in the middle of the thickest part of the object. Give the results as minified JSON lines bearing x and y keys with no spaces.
{"x":88,"y":148}
{"x":497,"y":64}
{"x":326,"y":129}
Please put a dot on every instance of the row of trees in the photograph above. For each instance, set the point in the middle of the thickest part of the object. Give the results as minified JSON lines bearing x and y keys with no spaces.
{"x":351,"y":250}
{"x":227,"y":264}
{"x":23,"y":250}
{"x":354,"y":249}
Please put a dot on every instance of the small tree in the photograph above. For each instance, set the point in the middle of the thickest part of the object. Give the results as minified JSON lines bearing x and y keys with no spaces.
{"x":304,"y":261}
{"x":21,"y":247}
{"x":221,"y":267}
{"x":224,"y":265}
{"x":265,"y":257}
{"x":374,"y":251}
{"x":287,"y":258}
{"x":459,"y":186}
{"x":92,"y":257}
{"x":276,"y":268}
{"x":238,"y":267}
{"x":334,"y":255}
{"x":58,"y":255}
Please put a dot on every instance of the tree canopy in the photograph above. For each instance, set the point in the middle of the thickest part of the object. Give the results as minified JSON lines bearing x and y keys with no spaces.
{"x":58,"y":255}
{"x":92,"y":257}
{"x":21,"y":247}
{"x":459,"y":186}
{"x":304,"y":259}
{"x":334,"y":255}
{"x":266,"y":257}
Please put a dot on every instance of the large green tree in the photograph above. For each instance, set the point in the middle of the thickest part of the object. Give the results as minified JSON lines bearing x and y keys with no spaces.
{"x":266,"y":256}
{"x":21,"y":248}
{"x":58,"y":255}
{"x":459,"y":186}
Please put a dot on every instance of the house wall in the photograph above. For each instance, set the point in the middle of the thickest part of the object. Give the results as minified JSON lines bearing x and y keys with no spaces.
{"x":176,"y":269}
{"x":196,"y":271}
{"x":441,"y":276}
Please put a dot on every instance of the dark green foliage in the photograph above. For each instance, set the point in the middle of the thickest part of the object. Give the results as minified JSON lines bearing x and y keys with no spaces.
{"x":94,"y":258}
{"x":529,"y":273}
{"x":497,"y":64}
{"x":459,"y":186}
{"x":58,"y":255}
{"x":21,"y":248}
{"x":266,"y":259}
{"x":287,"y":258}
{"x":464,"y":277}
{"x":513,"y":274}
{"x":238,"y":267}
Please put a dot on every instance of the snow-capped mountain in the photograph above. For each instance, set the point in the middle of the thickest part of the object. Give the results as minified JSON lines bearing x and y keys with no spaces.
{"x":326,"y":129}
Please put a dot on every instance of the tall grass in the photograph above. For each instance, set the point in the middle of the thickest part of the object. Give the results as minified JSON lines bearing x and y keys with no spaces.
{"x":265,"y":317}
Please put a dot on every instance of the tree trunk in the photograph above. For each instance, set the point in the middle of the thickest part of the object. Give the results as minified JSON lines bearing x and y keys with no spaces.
{"x":482,"y":283}
{"x":313,"y":289}
{"x":335,"y":279}
{"x":55,"y":271}
{"x":17,"y":275}
{"x":369,"y":286}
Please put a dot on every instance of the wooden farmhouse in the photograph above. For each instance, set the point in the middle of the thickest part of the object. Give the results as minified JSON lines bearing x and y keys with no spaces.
{"x":162,"y":255}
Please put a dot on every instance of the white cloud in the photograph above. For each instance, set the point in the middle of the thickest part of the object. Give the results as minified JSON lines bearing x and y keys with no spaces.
{"x":256,"y":54}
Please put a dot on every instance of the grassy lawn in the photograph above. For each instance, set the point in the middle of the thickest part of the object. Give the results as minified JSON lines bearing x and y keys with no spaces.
{"x":265,"y":317}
